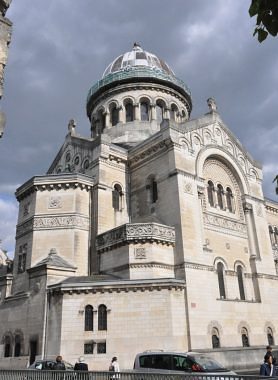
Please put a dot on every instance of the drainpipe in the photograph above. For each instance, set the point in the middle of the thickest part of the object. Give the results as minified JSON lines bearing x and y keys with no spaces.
{"x":188,"y":333}
{"x":45,"y":323}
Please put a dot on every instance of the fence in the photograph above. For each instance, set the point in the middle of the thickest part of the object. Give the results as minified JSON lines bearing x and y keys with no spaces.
{"x":71,"y":375}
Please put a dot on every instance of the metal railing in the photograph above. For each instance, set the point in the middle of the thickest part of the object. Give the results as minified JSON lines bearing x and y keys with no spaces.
{"x":137,"y":72}
{"x":72,"y":375}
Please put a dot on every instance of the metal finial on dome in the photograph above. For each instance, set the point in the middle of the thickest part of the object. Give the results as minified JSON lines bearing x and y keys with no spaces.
{"x":136,"y":44}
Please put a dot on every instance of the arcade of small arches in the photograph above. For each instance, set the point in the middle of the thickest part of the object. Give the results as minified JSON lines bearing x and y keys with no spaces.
{"x":13,"y":344}
{"x":128,"y":110}
{"x":220,"y":198}
{"x":273,"y":234}
{"x":216,"y":341}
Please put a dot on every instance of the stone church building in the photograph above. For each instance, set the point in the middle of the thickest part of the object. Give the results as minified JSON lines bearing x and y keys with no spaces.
{"x":153,"y":233}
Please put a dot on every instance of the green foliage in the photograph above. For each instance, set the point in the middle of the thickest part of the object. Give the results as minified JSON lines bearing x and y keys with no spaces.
{"x":267,"y":18}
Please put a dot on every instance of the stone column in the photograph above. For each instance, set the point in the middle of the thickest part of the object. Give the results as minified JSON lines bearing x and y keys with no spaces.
{"x":136,"y":111}
{"x":248,"y":211}
{"x":107,"y":120}
{"x":166,"y":113}
{"x":153,"y":111}
{"x":121,"y":114}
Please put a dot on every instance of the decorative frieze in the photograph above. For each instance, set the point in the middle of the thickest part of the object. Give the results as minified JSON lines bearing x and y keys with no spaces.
{"x":52,"y":222}
{"x":225,"y":225}
{"x":136,"y":232}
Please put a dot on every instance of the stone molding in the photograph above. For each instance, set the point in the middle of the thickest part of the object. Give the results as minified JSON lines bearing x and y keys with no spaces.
{"x":136,"y":232}
{"x":53,"y":221}
{"x":152,"y":264}
{"x":93,"y":289}
{"x":222,"y":224}
{"x":54,"y":182}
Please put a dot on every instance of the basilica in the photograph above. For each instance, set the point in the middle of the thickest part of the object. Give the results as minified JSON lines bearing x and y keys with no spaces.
{"x":152,"y":233}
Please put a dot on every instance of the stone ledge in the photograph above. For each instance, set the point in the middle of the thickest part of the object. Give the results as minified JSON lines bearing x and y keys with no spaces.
{"x":135,"y":232}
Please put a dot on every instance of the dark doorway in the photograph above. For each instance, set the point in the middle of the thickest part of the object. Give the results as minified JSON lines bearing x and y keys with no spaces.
{"x":33,"y":350}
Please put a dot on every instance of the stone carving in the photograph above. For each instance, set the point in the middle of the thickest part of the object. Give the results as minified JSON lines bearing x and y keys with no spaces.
{"x":188,"y":188}
{"x":224,"y":223}
{"x":212,"y":105}
{"x":140,"y":253}
{"x":55,"y":202}
{"x":72,"y":126}
{"x":136,"y":232}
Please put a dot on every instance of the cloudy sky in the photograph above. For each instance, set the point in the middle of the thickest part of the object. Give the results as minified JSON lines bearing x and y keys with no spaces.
{"x":60,"y":48}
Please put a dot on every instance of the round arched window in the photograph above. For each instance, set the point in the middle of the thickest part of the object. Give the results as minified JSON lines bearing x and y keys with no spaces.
{"x":76,"y":160}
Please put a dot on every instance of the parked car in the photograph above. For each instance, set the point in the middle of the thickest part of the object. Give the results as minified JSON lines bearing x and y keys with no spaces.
{"x":47,"y":364}
{"x":163,"y":361}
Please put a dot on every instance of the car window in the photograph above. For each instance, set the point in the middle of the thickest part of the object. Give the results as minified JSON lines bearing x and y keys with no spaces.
{"x":49,"y":365}
{"x":155,"y":361}
{"x":208,"y":364}
{"x":182,"y":363}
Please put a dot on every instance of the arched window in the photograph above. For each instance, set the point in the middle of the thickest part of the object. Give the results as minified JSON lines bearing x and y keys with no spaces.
{"x":215,"y":338}
{"x":270,"y":339}
{"x":275,"y":235}
{"x":244,"y":337}
{"x":114,"y":112}
{"x":89,"y":318}
{"x":220,"y":274}
{"x":7,"y":346}
{"x":210,"y":193}
{"x":240,"y":282}
{"x":160,"y":111}
{"x":183,"y":115}
{"x":153,"y":191}
{"x":129,"y":112}
{"x":117,"y":197}
{"x":173,"y":112}
{"x":144,"y":109}
{"x":229,"y":199}
{"x":102,"y":317}
{"x":220,"y":193}
{"x":271,"y":234}
{"x":17,"y":345}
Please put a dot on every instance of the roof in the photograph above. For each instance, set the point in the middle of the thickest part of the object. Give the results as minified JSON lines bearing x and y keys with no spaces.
{"x":137,"y":57}
{"x":53,"y":259}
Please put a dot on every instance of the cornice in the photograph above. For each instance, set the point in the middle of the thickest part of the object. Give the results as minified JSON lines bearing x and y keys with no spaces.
{"x":54,"y":182}
{"x":118,"y":287}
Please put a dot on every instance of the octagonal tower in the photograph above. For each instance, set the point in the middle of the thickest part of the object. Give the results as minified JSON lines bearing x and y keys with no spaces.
{"x":137,"y":92}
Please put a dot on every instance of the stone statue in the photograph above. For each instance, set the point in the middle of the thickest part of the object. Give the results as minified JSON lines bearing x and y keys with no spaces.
{"x":72,"y":126}
{"x":212,"y":105}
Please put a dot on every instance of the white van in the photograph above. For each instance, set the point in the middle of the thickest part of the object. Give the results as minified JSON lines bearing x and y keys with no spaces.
{"x":190,"y":362}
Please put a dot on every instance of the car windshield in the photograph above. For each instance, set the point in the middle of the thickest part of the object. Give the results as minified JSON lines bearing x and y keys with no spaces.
{"x":208,"y":364}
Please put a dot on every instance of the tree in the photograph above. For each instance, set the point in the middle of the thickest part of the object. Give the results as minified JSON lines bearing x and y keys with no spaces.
{"x":267,"y":18}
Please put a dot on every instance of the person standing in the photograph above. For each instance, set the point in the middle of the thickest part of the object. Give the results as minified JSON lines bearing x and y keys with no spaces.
{"x":59,"y":365}
{"x":114,"y":367}
{"x":267,"y":368}
{"x":81,"y":365}
{"x":269,"y":352}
